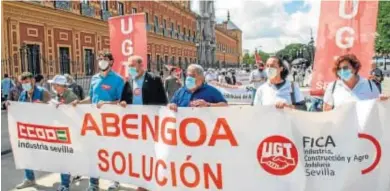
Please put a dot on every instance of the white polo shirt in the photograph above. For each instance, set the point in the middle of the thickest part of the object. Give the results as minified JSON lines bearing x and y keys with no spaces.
{"x":343,"y":94}
{"x":269,"y":94}
{"x":257,"y":75}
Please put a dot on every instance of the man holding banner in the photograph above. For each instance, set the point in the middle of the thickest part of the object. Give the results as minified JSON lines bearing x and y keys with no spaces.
{"x":106,"y":88}
{"x":196,"y":93}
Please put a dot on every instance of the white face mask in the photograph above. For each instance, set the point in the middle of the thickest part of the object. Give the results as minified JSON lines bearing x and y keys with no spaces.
{"x":271,"y":73}
{"x":103,"y":65}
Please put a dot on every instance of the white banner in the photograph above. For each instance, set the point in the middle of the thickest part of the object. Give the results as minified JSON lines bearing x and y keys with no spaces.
{"x":235,"y":94}
{"x":242,"y":78}
{"x":231,"y":148}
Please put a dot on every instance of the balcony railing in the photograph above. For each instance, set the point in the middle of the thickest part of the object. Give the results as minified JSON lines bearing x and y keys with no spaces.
{"x":87,"y":10}
{"x":105,"y":15}
{"x":64,"y":5}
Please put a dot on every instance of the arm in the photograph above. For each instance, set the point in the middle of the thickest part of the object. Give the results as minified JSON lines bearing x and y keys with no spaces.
{"x":328,"y":98}
{"x":46,"y":96}
{"x":257,"y":98}
{"x":126,"y":94}
{"x":82,"y":96}
{"x":300,"y":103}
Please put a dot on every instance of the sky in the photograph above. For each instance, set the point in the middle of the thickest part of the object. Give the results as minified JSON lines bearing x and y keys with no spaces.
{"x":271,"y":24}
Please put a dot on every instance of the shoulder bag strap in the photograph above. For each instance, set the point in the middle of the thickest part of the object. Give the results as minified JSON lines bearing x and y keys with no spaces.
{"x":292,"y":94}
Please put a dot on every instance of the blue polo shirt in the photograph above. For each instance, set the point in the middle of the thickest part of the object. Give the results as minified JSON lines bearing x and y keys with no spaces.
{"x":137,"y":90}
{"x":37,"y":95}
{"x":108,"y":88}
{"x":183,"y":97}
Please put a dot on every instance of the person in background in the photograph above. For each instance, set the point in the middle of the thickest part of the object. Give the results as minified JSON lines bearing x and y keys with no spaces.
{"x":33,"y":94}
{"x":77,"y":89}
{"x":39,"y":80}
{"x":279,"y":91}
{"x":6,"y":85}
{"x":349,"y":86}
{"x":377,"y":76}
{"x":106,"y":88}
{"x":172,"y":83}
{"x":63,"y":96}
{"x":221,"y":77}
{"x":16,"y":91}
{"x":209,"y":75}
{"x":257,"y":77}
{"x":228,"y":78}
{"x":162,"y":74}
{"x":196,"y":92}
{"x":234,"y":80}
{"x":142,"y":88}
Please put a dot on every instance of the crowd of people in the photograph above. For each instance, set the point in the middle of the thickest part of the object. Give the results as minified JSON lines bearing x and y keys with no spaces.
{"x":270,"y":82}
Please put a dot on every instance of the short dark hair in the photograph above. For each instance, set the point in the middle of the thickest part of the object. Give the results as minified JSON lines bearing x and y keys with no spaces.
{"x":109,"y":56}
{"x":38,"y":78}
{"x":5,"y":75}
{"x":284,"y":73}
{"x":26,"y":75}
{"x":172,"y":70}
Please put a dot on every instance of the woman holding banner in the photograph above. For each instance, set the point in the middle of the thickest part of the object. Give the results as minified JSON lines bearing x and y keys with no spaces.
{"x":349,"y":86}
{"x":278,"y":90}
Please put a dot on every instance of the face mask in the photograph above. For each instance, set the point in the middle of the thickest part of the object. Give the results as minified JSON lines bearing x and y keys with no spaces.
{"x":132,"y":72}
{"x":103,"y":65}
{"x":271,"y":73}
{"x":190,"y":82}
{"x":27,"y":87}
{"x":345,"y":74}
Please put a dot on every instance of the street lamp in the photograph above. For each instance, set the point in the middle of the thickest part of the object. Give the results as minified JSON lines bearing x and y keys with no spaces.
{"x":224,"y":58}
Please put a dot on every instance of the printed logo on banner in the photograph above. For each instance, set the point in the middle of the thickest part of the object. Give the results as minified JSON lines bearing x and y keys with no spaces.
{"x":277,"y":155}
{"x":48,"y":134}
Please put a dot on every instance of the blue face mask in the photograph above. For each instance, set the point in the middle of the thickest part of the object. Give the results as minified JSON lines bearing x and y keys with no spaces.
{"x":132,"y":72}
{"x":27,"y":87}
{"x":345,"y":74}
{"x":190,"y":82}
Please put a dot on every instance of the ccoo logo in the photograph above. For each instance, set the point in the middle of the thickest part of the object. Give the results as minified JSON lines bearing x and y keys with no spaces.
{"x":277,"y":155}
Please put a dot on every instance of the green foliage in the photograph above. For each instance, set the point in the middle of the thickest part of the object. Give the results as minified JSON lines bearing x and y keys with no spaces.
{"x":250,"y":58}
{"x":382,"y":40}
{"x":290,"y":51}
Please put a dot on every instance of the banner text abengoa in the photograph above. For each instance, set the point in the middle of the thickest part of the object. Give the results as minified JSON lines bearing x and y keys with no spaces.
{"x":159,"y":129}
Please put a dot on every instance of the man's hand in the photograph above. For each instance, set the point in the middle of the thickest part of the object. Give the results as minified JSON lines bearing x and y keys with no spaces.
{"x":383,"y":97}
{"x":100,"y":104}
{"x":199,"y":103}
{"x":58,"y":104}
{"x":75,"y":102}
{"x":172,"y":107}
{"x":281,"y":105}
{"x":123,"y":104}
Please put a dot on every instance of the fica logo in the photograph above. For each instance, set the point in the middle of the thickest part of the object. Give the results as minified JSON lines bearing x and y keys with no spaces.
{"x":50,"y":134}
{"x":277,"y":155}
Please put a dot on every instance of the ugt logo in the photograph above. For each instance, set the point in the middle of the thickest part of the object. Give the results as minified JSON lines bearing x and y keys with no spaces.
{"x":43,"y":133}
{"x":277,"y":155}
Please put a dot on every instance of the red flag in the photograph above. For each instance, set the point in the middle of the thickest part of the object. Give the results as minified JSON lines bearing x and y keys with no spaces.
{"x":344,"y":27}
{"x":127,"y":38}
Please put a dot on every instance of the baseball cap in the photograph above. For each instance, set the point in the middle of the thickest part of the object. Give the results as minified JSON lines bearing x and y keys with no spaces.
{"x":58,"y":79}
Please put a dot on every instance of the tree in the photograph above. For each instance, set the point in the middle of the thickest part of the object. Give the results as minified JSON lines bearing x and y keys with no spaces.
{"x":382,"y":40}
{"x":289,"y":53}
{"x":248,"y":59}
{"x":264,"y":56}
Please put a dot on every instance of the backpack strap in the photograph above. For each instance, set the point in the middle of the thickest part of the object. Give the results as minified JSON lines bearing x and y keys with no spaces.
{"x":369,"y":82}
{"x":334,"y":86}
{"x":292,"y":94}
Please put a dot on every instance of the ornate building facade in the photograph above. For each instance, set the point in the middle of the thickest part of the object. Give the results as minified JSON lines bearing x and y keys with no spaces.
{"x":51,"y":37}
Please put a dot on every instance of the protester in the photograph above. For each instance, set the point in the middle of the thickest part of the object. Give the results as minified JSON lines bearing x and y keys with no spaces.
{"x":278,"y":90}
{"x":172,"y":83}
{"x":196,"y":92}
{"x":16,"y":91}
{"x":6,"y":85}
{"x":349,"y":86}
{"x":142,"y":88}
{"x":33,"y":94}
{"x":106,"y":88}
{"x":77,"y":89}
{"x":221,"y":77}
{"x":63,"y":96}
{"x":228,"y":78}
{"x":257,"y":77}
{"x":234,"y":80}
{"x":377,"y":77}
{"x":209,"y":75}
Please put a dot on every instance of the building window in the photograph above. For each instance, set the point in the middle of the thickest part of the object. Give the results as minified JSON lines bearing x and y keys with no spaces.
{"x":147,"y":18}
{"x":165,"y":23}
{"x":133,"y":10}
{"x":178,"y":29}
{"x":89,"y":62}
{"x":84,"y":2}
{"x":121,"y":10}
{"x":155,"y":23}
{"x":64,"y":60}
{"x":104,"y":5}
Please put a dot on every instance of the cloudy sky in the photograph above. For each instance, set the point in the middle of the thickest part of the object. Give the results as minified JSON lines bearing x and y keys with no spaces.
{"x":271,"y":24}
